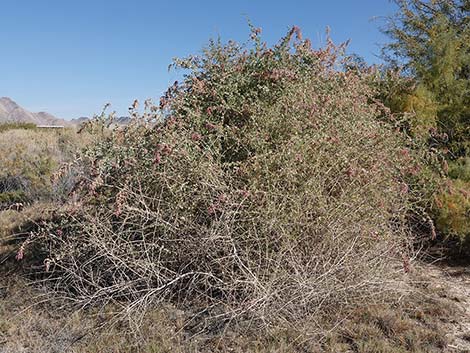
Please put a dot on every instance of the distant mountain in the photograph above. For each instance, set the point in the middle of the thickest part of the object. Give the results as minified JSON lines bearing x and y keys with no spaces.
{"x":80,"y":120}
{"x":121,"y":120}
{"x":10,"y":111}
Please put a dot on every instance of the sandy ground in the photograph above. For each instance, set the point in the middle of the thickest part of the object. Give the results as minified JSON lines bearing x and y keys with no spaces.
{"x":454,"y":283}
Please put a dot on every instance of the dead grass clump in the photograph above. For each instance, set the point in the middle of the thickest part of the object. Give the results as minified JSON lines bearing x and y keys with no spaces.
{"x":381,"y":328}
{"x":261,"y":187}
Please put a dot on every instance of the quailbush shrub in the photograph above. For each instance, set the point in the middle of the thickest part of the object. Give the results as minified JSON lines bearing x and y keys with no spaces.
{"x":264,"y":183}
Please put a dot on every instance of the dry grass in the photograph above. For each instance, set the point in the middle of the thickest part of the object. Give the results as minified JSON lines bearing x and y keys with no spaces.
{"x":415,"y":325}
{"x":29,"y":157}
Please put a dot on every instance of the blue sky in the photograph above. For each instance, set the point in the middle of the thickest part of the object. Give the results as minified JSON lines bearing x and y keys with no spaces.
{"x":70,"y":57}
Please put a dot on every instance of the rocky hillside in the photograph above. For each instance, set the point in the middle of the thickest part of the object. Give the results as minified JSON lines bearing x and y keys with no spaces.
{"x":10,"y":111}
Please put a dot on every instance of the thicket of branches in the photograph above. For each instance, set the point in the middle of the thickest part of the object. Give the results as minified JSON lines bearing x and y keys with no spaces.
{"x":266,"y":183}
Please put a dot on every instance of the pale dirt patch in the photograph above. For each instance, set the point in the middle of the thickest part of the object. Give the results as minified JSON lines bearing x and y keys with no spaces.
{"x":453,"y":284}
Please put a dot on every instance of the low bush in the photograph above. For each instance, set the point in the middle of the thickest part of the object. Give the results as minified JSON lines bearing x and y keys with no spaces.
{"x":15,"y":126}
{"x":11,"y":197}
{"x":264,"y":184}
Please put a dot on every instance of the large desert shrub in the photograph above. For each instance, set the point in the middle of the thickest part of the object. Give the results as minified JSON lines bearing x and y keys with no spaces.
{"x":264,"y":183}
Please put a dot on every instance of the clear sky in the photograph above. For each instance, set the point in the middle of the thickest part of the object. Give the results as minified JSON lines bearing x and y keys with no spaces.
{"x":70,"y":57}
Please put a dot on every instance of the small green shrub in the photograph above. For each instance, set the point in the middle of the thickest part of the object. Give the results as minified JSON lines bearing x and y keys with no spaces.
{"x":15,"y":126}
{"x":10,"y":197}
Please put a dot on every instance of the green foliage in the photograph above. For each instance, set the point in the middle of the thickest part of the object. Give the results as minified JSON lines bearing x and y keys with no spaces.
{"x":421,"y":104}
{"x":460,"y":169}
{"x":15,"y":126}
{"x":413,"y":106}
{"x":10,"y":197}
{"x":431,"y":39}
{"x":453,"y":216}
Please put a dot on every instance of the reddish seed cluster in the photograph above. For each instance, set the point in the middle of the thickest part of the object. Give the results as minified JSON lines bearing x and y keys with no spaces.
{"x":217,"y":205}
{"x":245,"y":193}
{"x":212,"y":209}
{"x":120,"y":199}
{"x":298,"y":32}
{"x":210,"y":126}
{"x":413,"y":170}
{"x":158,"y":158}
{"x":405,"y":152}
{"x":255,"y":33}
{"x":465,"y":193}
{"x":161,"y":150}
{"x":96,"y":183}
{"x":278,"y":74}
{"x":169,"y":94}
{"x":334,"y":140}
{"x":195,"y":136}
{"x":20,"y":254}
{"x":404,"y":188}
{"x":351,"y":172}
{"x":170,"y":121}
{"x":198,"y":85}
{"x":163,"y":102}
{"x":166,"y":149}
{"x":406,"y":264}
